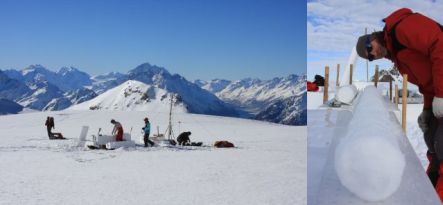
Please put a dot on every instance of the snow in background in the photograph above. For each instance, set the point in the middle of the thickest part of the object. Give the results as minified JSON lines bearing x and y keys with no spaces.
{"x":253,"y":94}
{"x":280,"y":100}
{"x":101,"y":83}
{"x":132,"y":95}
{"x":66,"y":78}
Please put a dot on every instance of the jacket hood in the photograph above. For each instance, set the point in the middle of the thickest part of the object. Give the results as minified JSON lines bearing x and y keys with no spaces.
{"x":398,"y":15}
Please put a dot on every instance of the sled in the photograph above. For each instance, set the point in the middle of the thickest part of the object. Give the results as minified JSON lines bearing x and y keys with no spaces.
{"x":193,"y":144}
{"x":57,"y":136}
{"x":160,"y":140}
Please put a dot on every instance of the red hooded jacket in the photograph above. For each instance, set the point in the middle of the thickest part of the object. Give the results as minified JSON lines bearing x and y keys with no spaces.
{"x":422,"y":57}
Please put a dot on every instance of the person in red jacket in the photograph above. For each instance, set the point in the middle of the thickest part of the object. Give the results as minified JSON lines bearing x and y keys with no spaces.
{"x":117,"y":131}
{"x":414,"y":43}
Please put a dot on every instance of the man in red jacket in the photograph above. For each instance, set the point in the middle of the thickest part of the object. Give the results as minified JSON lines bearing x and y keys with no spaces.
{"x":117,"y":131}
{"x":414,"y":43}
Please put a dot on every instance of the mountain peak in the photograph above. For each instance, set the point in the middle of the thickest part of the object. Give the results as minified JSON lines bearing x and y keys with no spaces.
{"x":69,"y":69}
{"x":130,"y":83}
{"x":35,"y":68}
{"x":148,"y":68}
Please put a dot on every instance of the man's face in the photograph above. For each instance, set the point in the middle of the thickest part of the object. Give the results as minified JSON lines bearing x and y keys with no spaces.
{"x":378,"y":50}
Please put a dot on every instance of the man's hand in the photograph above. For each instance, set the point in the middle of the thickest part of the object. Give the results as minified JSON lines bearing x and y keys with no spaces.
{"x":437,"y":107}
{"x":423,"y":120}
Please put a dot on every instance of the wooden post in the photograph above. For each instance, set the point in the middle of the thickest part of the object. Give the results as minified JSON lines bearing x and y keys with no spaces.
{"x":350,"y":74}
{"x":390,"y":89}
{"x":326,"y":87}
{"x":376,"y":76}
{"x":337,"y":83}
{"x":404,"y":102}
{"x":396,"y":96}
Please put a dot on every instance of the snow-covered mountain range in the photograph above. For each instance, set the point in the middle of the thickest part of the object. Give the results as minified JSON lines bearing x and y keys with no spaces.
{"x":66,"y":79}
{"x":278,"y":100}
{"x":38,"y":88}
{"x":281,"y":100}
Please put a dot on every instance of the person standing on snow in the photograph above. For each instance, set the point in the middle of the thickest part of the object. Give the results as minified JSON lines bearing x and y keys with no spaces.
{"x":146,"y":130}
{"x":117,"y":131}
{"x":414,"y":43}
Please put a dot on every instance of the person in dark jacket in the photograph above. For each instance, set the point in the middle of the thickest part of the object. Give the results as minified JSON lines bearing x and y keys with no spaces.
{"x":147,"y":130}
{"x":183,"y":138}
{"x":414,"y":43}
{"x":49,"y":126}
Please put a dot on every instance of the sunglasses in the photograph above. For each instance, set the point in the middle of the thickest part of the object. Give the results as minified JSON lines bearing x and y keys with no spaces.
{"x":369,"y":49}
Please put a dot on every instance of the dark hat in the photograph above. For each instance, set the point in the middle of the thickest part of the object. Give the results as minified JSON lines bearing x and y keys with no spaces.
{"x":146,"y":119}
{"x":361,"y":45}
{"x":112,"y":121}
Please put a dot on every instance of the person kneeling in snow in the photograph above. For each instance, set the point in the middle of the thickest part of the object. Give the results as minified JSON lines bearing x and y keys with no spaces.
{"x":414,"y":43}
{"x":117,"y":131}
{"x":49,"y":126}
{"x":147,"y":129}
{"x":183,"y":138}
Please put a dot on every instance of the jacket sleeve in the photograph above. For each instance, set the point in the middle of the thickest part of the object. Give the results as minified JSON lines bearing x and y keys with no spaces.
{"x":425,"y":36}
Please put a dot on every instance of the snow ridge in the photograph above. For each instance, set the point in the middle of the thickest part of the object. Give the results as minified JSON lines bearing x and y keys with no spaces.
{"x":133,"y":95}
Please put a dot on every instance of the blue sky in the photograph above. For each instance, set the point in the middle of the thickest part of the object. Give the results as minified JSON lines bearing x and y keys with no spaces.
{"x":205,"y":39}
{"x":333,"y":27}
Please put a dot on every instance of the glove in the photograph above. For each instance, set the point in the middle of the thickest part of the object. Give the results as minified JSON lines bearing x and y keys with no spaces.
{"x":437,"y":107}
{"x":423,"y":120}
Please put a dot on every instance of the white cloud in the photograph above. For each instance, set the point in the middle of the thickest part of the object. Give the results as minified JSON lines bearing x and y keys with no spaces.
{"x":333,"y":26}
{"x":338,"y":23}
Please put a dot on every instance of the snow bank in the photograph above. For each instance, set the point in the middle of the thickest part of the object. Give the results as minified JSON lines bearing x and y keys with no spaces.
{"x":346,"y":94}
{"x":36,"y":170}
{"x":368,"y":160}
